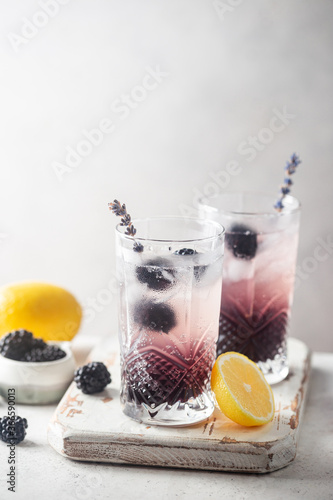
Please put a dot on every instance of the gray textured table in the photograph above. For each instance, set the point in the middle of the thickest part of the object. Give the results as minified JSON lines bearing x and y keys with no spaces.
{"x":43,"y":473}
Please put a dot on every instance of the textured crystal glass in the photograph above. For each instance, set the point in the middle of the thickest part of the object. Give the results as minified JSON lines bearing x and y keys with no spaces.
{"x":258,"y":276}
{"x":169,"y":308}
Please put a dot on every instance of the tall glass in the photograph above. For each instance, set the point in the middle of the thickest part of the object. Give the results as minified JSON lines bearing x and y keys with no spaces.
{"x":170,"y":288}
{"x":258,"y":276}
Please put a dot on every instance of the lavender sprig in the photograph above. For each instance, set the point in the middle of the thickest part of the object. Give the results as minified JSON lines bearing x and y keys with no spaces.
{"x":120,"y":210}
{"x":290,"y":169}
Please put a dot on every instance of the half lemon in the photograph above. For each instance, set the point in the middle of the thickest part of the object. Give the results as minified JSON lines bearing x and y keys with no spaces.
{"x":241,"y":390}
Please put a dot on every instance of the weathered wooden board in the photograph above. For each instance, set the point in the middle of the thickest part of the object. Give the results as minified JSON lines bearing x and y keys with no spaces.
{"x":93,"y":428}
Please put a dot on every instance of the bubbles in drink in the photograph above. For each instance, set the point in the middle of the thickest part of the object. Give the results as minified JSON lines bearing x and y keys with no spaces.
{"x":171,"y":307}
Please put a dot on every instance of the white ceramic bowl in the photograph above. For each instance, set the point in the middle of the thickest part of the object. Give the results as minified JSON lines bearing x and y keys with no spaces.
{"x":37,"y":383}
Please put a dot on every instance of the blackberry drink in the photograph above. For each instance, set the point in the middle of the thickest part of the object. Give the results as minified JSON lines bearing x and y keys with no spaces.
{"x":170,"y":289}
{"x":258,"y":276}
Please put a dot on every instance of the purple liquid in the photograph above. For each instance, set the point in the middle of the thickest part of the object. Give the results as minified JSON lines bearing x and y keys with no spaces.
{"x":166,"y":379}
{"x":259,"y":339}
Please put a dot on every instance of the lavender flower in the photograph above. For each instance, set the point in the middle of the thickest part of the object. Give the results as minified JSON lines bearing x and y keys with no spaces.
{"x":137,"y":247}
{"x":121,"y":211}
{"x":117,"y":208}
{"x":290,"y":169}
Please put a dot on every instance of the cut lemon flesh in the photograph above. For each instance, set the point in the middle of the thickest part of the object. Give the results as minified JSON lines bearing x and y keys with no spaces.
{"x":241,"y":390}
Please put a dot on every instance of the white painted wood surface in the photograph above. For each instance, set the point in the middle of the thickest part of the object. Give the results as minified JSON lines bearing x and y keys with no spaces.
{"x":93,"y":428}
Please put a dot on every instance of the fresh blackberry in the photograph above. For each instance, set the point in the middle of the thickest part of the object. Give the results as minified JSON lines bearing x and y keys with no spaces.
{"x":13,"y":430}
{"x":157,"y":317}
{"x":93,"y":377}
{"x":15,"y":344}
{"x":47,"y":353}
{"x":242,"y":241}
{"x":185,"y":251}
{"x":38,"y":343}
{"x":156,"y":274}
{"x":21,"y":345}
{"x":197,"y":270}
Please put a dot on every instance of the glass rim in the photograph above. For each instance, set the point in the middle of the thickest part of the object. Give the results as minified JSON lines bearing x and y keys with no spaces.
{"x":221,"y":229}
{"x":204,"y":202}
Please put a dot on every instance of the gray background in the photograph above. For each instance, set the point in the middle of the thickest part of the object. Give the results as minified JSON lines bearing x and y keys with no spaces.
{"x":228,"y":69}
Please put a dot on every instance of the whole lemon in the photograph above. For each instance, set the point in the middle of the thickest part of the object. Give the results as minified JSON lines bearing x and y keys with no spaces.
{"x":48,"y":311}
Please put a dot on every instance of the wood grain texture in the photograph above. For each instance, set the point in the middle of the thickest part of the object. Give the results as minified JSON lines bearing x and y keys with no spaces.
{"x":93,"y":428}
